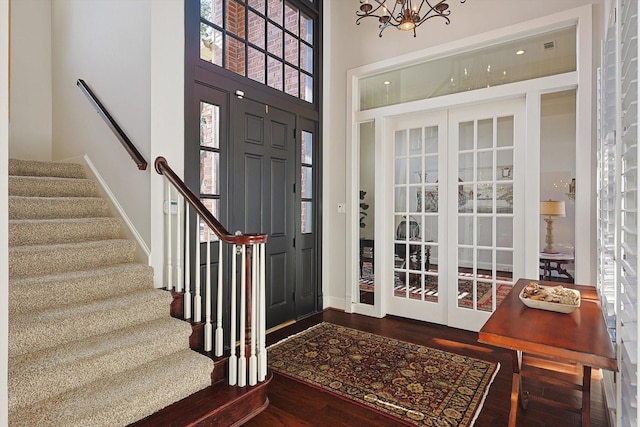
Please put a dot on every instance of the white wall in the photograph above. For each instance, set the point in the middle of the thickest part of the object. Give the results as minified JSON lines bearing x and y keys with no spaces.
{"x":106,"y":43}
{"x":167,"y":110}
{"x":30,"y":121}
{"x":4,"y":218}
{"x":349,"y":46}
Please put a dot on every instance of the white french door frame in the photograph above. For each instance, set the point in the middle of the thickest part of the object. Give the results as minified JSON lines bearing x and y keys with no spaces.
{"x":531,"y":91}
{"x":435,"y":312}
{"x":471,"y":318}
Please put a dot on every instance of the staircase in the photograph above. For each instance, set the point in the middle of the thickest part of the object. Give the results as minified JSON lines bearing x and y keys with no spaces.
{"x":91,"y":342}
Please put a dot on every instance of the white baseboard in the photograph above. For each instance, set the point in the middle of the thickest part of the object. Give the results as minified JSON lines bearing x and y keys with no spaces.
{"x":333,"y":302}
{"x":129,"y":230}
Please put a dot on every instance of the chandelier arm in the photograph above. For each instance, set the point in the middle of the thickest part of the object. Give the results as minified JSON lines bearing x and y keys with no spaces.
{"x":446,"y":19}
{"x":433,"y":11}
{"x":391,"y":22}
{"x":372,"y":12}
{"x":422,"y":3}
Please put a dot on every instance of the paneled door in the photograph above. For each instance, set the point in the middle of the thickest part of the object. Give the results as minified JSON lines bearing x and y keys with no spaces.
{"x":458,"y":230}
{"x":263,"y":195}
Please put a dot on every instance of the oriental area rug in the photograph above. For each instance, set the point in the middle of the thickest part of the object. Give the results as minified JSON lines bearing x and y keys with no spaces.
{"x":417,"y":385}
{"x":414,"y":291}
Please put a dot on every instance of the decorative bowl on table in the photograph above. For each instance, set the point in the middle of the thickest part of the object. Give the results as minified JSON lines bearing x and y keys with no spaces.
{"x":550,"y":298}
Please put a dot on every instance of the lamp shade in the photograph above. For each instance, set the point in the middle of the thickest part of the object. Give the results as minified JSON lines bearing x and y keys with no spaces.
{"x":552,"y":208}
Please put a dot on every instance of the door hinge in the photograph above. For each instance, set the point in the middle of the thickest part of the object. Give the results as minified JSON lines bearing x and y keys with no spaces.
{"x":294,"y":133}
{"x":294,"y":297}
{"x":294,"y":188}
{"x":294,"y":242}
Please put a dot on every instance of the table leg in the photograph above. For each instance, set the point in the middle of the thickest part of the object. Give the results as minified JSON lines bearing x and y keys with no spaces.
{"x":562,"y":271}
{"x":586,"y":396}
{"x":517,"y":394}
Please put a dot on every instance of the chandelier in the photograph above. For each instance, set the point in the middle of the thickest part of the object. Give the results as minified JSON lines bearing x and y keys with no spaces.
{"x":405,"y":15}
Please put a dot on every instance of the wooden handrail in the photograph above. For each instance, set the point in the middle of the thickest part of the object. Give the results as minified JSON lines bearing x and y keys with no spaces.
{"x":163,"y":168}
{"x":113,"y":125}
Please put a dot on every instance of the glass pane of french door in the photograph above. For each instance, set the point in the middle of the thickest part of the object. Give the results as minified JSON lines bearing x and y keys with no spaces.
{"x":485,"y":173}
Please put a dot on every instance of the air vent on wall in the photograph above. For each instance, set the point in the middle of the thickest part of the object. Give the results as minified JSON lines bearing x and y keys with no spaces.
{"x":549,"y":45}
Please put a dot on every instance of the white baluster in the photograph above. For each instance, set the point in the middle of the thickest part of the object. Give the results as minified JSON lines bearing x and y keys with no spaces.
{"x":253,"y":360}
{"x":179,"y":273}
{"x":168,"y":235}
{"x":186,"y":298}
{"x":219,"y":331}
{"x":242,"y":360}
{"x":262,"y":320}
{"x":197,"y":299}
{"x":207,"y":325}
{"x":233,"y":359}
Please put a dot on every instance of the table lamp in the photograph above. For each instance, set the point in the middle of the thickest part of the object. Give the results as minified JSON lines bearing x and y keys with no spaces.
{"x":551,"y":209}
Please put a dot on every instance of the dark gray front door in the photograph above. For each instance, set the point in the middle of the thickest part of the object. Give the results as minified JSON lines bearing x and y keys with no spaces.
{"x":263,"y":145}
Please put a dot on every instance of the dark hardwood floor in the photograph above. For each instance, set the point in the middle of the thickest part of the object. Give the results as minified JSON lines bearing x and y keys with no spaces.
{"x":294,"y":404}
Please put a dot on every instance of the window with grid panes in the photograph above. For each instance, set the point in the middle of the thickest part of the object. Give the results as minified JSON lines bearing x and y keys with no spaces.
{"x":209,"y":164}
{"x":269,"y":41}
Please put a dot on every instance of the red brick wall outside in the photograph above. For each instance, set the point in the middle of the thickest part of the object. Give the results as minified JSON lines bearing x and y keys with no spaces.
{"x":235,"y":48}
{"x":283,"y":46}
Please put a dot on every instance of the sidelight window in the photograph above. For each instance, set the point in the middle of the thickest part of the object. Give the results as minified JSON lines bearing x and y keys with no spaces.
{"x":306,"y":211}
{"x":209,"y":163}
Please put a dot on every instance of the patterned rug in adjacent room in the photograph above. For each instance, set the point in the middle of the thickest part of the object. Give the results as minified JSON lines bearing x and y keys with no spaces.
{"x":415,"y":384}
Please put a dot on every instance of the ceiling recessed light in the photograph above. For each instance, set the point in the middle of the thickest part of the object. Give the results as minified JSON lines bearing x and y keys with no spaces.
{"x":520,"y":52}
{"x":387,"y":82}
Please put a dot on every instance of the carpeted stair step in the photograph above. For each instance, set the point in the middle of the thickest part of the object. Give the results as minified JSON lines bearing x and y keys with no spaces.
{"x":31,"y":332}
{"x":32,"y":294}
{"x":39,"y":168}
{"x":41,"y":375}
{"x":23,"y":232}
{"x":30,"y":261}
{"x":57,"y":207}
{"x":36,"y":186}
{"x":124,"y":398}
{"x":91,"y":342}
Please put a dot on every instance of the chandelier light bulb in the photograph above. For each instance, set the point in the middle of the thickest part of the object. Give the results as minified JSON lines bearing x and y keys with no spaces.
{"x":407,"y":23}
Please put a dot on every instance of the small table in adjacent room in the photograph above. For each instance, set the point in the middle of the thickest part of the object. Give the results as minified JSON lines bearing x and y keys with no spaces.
{"x":556,"y":262}
{"x":579,"y":337}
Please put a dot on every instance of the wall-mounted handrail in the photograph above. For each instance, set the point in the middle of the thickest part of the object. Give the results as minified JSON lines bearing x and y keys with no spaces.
{"x":113,"y":125}
{"x":163,"y":168}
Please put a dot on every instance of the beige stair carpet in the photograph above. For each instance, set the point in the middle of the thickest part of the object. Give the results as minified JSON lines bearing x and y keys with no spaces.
{"x":91,"y":342}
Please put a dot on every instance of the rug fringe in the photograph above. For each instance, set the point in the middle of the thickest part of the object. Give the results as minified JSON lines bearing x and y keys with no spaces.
{"x":295,"y":335}
{"x":486,"y":392}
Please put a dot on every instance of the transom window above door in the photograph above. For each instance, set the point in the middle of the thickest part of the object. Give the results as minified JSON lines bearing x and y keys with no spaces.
{"x":269,"y":41}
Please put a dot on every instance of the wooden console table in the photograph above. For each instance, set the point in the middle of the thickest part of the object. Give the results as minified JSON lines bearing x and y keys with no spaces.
{"x":580,"y":338}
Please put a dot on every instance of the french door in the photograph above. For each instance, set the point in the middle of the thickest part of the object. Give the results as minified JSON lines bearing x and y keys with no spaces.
{"x":420,"y":218}
{"x":458,"y":231}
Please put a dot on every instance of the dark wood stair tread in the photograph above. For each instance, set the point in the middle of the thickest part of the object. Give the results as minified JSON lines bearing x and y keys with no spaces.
{"x":217,"y":405}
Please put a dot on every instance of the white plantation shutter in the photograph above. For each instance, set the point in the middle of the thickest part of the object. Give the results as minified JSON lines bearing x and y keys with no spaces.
{"x":618,"y":204}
